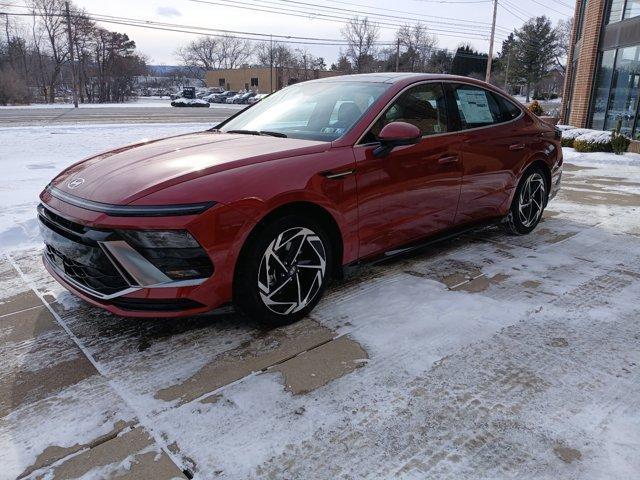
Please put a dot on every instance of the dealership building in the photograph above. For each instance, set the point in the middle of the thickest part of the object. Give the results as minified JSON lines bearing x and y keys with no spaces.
{"x":603,"y":68}
{"x":262,"y":79}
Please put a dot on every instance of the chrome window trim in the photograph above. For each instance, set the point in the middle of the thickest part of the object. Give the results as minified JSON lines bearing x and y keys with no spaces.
{"x":130,"y":210}
{"x":423,"y":82}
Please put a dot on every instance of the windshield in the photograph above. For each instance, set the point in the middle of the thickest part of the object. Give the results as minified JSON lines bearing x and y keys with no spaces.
{"x":315,"y":111}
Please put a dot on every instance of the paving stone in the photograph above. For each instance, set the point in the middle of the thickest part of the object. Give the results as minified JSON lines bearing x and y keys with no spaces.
{"x":131,"y":455}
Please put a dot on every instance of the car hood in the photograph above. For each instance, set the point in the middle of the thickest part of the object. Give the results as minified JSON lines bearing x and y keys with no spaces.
{"x":124,"y":175}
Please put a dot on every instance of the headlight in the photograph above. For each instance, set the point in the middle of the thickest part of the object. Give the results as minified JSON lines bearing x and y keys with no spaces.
{"x":175,"y":252}
{"x":160,"y":238}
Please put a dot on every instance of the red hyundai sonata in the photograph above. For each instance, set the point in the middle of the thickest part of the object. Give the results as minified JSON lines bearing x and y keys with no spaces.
{"x":265,"y":208}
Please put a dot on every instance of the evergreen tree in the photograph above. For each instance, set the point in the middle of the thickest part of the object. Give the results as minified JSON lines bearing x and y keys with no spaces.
{"x":535,"y":47}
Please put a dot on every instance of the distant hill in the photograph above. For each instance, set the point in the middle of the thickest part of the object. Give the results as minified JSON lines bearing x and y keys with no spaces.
{"x":161,"y":70}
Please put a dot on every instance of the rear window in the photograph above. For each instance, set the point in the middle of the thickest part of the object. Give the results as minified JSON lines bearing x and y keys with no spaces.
{"x":508,"y":110}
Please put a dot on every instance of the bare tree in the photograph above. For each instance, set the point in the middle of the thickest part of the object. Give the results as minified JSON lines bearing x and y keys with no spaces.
{"x":211,"y":53}
{"x":200,"y":55}
{"x":234,"y":51}
{"x":563,"y":34}
{"x":54,"y":32}
{"x":361,"y":36}
{"x":419,"y":44}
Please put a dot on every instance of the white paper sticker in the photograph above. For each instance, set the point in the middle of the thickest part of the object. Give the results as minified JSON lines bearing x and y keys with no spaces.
{"x":475,"y":106}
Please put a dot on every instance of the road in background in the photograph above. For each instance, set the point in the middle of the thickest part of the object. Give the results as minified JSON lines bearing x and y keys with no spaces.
{"x":38,"y":116}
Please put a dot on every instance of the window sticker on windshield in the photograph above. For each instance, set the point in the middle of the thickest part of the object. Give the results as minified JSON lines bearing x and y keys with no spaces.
{"x":475,"y":106}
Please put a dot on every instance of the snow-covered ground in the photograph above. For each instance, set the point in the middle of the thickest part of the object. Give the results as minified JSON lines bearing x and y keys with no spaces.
{"x":150,"y":102}
{"x":145,"y":102}
{"x":31,"y":156}
{"x":489,"y":356}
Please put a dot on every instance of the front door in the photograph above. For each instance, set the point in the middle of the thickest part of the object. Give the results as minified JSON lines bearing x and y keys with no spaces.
{"x":412,"y":192}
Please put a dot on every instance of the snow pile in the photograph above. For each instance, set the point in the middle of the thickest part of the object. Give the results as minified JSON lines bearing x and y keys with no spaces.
{"x":574,"y":133}
{"x":595,"y":136}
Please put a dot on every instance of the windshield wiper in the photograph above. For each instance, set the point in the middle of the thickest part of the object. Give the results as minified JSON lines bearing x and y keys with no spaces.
{"x":259,"y":132}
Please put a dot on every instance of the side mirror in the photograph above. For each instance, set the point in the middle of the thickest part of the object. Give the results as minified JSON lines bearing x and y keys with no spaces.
{"x":397,"y":134}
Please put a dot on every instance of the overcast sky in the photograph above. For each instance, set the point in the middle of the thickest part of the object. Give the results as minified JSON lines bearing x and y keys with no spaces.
{"x":160,"y":46}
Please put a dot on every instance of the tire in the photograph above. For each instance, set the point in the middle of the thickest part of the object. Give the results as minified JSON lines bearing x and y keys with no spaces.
{"x":528,"y":202}
{"x":283,"y":271}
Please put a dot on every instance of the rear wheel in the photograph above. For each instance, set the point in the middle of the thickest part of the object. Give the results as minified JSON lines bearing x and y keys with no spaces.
{"x":528,"y":203}
{"x":284,"y":271}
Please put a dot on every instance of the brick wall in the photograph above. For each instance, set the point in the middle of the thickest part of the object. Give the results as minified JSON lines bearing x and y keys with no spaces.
{"x":585,"y":71}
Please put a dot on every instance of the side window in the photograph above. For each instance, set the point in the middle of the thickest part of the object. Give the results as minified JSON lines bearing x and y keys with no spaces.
{"x":423,"y":106}
{"x":508,"y":110}
{"x":477,"y":107}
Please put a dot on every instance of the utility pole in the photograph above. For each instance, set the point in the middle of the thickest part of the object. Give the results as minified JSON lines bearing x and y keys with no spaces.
{"x":493,"y":34}
{"x":271,"y":62}
{"x":398,"y":56}
{"x":73,"y":61}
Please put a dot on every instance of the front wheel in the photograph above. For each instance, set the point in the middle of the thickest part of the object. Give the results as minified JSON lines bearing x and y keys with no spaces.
{"x":284,"y":271}
{"x":528,"y":203}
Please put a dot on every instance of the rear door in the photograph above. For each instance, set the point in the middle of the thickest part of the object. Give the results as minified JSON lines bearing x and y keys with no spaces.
{"x":493,"y":143}
{"x":413,"y":192}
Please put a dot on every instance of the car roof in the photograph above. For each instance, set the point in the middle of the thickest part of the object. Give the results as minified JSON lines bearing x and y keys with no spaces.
{"x":390,"y":77}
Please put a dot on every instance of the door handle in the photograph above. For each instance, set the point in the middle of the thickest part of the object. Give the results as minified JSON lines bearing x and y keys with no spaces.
{"x":448,"y":159}
{"x":517,"y":146}
{"x":335,"y":175}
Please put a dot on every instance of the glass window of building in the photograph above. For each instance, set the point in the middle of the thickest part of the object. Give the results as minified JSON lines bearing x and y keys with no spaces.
{"x":581,"y":12}
{"x":623,"y":99}
{"x":615,"y":11}
{"x":633,"y":9}
{"x":603,"y":82}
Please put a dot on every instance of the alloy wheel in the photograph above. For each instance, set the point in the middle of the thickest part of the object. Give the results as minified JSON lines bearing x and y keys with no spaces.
{"x":292,"y":270}
{"x":531,"y":202}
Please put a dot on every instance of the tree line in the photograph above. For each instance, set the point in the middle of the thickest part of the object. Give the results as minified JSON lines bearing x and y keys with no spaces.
{"x":527,"y":57}
{"x":35,"y":57}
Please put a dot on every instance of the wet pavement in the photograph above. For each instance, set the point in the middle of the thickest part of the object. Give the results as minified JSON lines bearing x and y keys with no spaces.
{"x":488,"y":356}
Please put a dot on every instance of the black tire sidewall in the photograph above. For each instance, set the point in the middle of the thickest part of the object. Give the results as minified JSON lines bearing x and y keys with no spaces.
{"x":246,"y":295}
{"x":514,"y":220}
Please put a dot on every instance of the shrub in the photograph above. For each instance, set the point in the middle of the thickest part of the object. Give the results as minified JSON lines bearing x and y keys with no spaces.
{"x":545,"y":96}
{"x":594,"y":141}
{"x":619,"y":143}
{"x":569,"y":134}
{"x":536,"y":109}
{"x":13,"y":88}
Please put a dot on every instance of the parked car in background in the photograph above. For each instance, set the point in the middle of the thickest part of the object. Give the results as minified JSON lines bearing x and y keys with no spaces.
{"x":257,"y":98}
{"x":189,"y":102}
{"x":234,"y":98}
{"x":222,"y":97}
{"x":265,"y":208}
{"x":209,"y":97}
{"x":244,"y":98}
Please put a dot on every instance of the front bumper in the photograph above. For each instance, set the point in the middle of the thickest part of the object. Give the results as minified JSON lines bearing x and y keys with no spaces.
{"x":137,"y":290}
{"x":102,"y":266}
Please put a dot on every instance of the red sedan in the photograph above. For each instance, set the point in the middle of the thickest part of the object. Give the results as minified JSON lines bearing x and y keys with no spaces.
{"x":265,"y":208}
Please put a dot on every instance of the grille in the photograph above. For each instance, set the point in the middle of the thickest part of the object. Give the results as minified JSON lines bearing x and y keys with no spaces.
{"x":71,"y":250}
{"x":104,"y":280}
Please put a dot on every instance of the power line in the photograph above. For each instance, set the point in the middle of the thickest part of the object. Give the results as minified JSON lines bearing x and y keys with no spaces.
{"x":550,"y":8}
{"x":503,"y":4}
{"x":333,"y":18}
{"x":374,"y":15}
{"x":150,"y":25}
{"x":404,"y":12}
